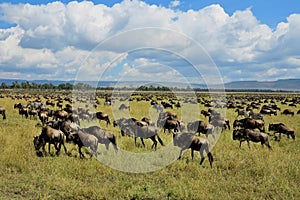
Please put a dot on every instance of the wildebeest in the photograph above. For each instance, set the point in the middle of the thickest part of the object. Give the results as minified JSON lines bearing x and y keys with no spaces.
{"x":288,"y":112}
{"x":199,"y":126}
{"x":249,"y":123}
{"x":103,"y":136}
{"x":166,"y":104}
{"x":103,"y":116}
{"x":158,"y":107}
{"x":123,"y":107}
{"x":269,"y":110}
{"x":2,"y":112}
{"x":222,"y":123}
{"x":82,"y":139}
{"x":242,"y":113}
{"x":43,"y":116}
{"x":123,"y":123}
{"x":205,"y":113}
{"x":22,"y":109}
{"x":196,"y":143}
{"x":51,"y":136}
{"x":32,"y":114}
{"x":282,"y":128}
{"x":170,"y":124}
{"x":144,"y":133}
{"x":148,"y":121}
{"x":251,"y":135}
{"x":74,"y":118}
{"x":256,"y":116}
{"x":60,"y":114}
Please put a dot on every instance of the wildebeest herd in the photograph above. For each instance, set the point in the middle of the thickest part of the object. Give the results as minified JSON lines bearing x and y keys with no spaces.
{"x":61,"y":122}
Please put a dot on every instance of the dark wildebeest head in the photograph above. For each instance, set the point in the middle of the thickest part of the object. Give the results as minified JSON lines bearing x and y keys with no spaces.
{"x":38,"y":142}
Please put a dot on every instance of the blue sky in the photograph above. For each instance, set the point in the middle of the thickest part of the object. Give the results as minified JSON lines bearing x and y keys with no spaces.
{"x":245,"y":40}
{"x":268,"y":12}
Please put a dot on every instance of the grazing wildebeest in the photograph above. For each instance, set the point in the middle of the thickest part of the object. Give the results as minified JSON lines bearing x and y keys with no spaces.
{"x":144,"y":132}
{"x":74,"y":118}
{"x":222,"y":123}
{"x":60,"y":114}
{"x":81,"y":139}
{"x":103,"y":116}
{"x":123,"y":123}
{"x":288,"y":112}
{"x":199,"y":126}
{"x":166,"y":104}
{"x":256,"y":116}
{"x":103,"y":136}
{"x":23,"y":111}
{"x":171,"y":124}
{"x":205,"y":113}
{"x":282,"y":128}
{"x":123,"y":107}
{"x":2,"y":112}
{"x":251,"y":135}
{"x":51,"y":136}
{"x":32,"y":114}
{"x":148,"y":121}
{"x":242,"y":113}
{"x":158,"y":107}
{"x":268,"y":111}
{"x":43,"y":116}
{"x":249,"y":123}
{"x":196,"y":143}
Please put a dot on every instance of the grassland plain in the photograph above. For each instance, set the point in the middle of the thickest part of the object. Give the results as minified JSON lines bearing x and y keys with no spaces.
{"x":254,"y":173}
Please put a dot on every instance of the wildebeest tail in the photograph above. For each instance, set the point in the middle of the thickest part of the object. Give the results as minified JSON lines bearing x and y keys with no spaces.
{"x":114,"y":142}
{"x":160,"y":141}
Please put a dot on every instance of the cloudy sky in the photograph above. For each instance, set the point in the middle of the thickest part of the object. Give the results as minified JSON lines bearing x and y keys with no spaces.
{"x":180,"y":40}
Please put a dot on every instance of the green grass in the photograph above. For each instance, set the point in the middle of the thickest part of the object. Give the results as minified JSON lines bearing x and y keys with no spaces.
{"x":254,"y":173}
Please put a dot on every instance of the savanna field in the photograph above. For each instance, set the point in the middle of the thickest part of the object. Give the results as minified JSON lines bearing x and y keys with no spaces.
{"x":237,"y":173}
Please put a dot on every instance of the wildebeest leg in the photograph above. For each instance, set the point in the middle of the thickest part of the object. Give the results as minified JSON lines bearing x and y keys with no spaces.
{"x":44,"y":150}
{"x":142,"y":140}
{"x":62,"y":143}
{"x":135,"y":140}
{"x":248,"y":143}
{"x":210,"y":158}
{"x":80,"y":152}
{"x":279,"y":136}
{"x":201,"y":156}
{"x":192,"y":154}
{"x":154,"y":142}
{"x":94,"y":149}
{"x":180,"y":154}
{"x":241,"y":143}
{"x":57,"y":148}
{"x":49,"y":146}
{"x":107,"y":146}
{"x":268,"y":145}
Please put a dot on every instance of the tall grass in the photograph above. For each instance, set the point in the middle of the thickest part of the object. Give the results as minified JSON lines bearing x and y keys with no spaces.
{"x":254,"y":173}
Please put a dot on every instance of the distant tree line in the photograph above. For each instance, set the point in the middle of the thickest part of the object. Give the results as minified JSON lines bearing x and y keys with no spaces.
{"x":84,"y":86}
{"x":80,"y":86}
{"x":46,"y":86}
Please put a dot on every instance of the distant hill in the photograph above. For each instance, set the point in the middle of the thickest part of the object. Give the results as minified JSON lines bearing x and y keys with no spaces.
{"x":281,"y":84}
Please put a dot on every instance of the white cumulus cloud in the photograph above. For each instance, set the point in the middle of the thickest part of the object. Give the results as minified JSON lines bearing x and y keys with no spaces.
{"x":53,"y":40}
